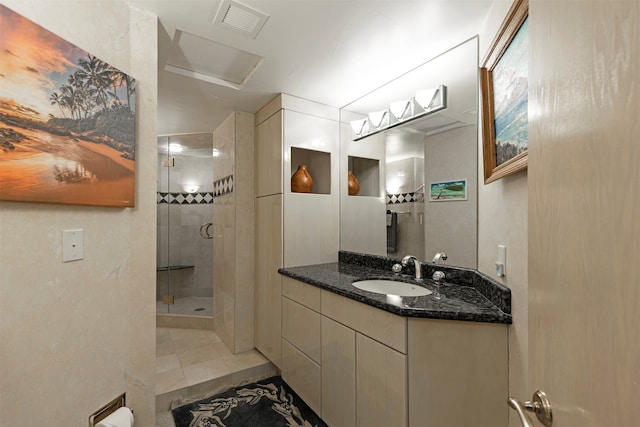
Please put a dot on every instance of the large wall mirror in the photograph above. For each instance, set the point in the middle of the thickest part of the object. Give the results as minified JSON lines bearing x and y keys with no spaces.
{"x":418,"y":179}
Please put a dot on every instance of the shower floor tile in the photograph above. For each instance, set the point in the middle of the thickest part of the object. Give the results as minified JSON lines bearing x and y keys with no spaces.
{"x":195,"y":306}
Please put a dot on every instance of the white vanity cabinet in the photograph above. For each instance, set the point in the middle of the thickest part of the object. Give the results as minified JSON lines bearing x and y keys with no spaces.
{"x":292,"y":228}
{"x":357,"y":365}
{"x":338,"y":374}
{"x":457,"y":373}
{"x":301,"y":340}
{"x":364,"y":355}
{"x":381,"y":385}
{"x":267,"y":291}
{"x":339,"y":356}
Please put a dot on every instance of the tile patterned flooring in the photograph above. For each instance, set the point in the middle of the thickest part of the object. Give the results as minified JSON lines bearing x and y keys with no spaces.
{"x":191,"y":362}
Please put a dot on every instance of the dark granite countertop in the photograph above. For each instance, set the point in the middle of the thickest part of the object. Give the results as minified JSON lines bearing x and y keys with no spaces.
{"x":475,"y":300}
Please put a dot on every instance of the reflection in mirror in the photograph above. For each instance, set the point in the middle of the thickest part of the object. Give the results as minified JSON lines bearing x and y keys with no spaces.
{"x":396,"y":213}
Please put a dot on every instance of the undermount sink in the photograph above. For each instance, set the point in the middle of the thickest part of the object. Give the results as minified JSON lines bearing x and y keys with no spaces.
{"x":391,"y":287}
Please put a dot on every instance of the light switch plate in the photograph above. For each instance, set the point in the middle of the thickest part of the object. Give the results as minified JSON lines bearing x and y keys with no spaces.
{"x":501,"y":264}
{"x":502,"y":254}
{"x":72,"y":245}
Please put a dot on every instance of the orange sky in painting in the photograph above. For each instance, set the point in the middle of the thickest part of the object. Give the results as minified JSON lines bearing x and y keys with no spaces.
{"x":33,"y":63}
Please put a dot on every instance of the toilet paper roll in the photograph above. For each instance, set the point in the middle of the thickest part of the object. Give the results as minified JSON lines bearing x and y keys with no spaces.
{"x":121,"y":417}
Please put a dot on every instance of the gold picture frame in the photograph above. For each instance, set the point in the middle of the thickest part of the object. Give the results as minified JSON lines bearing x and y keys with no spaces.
{"x":504,"y":89}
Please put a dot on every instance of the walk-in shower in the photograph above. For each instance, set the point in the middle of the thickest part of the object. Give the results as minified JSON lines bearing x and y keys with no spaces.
{"x":184,"y":278}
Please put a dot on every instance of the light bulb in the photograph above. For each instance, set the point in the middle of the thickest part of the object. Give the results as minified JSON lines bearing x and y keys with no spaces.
{"x":401,"y":109}
{"x":425,"y":97}
{"x":175,"y":148}
{"x":377,"y":118}
{"x":190,"y":188}
{"x":360,"y":127}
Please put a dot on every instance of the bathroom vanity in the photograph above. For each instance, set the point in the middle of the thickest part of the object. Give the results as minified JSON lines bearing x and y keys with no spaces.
{"x":368,"y":359}
{"x":365,"y":359}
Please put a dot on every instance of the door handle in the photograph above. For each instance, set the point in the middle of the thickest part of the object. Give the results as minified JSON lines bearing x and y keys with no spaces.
{"x":539,"y":405}
{"x":204,"y":230}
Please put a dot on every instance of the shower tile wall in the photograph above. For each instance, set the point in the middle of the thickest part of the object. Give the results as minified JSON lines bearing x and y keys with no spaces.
{"x":408,"y":174}
{"x":224,"y":240}
{"x":233,"y":242}
{"x":179,"y":240}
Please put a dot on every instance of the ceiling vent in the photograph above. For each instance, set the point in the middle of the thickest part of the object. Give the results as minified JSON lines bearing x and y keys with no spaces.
{"x":199,"y":58}
{"x":239,"y":17}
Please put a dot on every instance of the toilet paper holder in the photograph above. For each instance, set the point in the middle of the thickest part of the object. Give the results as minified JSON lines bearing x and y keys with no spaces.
{"x":108,"y":409}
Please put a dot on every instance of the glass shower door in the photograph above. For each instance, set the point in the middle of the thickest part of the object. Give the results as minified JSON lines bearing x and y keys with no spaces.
{"x":185,"y":250}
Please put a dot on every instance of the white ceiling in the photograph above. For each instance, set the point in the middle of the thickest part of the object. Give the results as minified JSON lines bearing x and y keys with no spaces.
{"x":328,"y":51}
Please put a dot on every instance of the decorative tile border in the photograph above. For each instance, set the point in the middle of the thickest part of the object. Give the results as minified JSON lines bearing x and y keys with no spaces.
{"x":392,"y":199}
{"x":220,"y":187}
{"x":223,"y":186}
{"x":185,"y":198}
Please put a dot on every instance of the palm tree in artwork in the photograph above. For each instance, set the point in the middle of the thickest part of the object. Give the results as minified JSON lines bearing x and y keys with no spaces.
{"x":55,"y":98}
{"x":121,"y":79}
{"x":97,"y":75}
{"x":80,"y":94}
{"x":70,"y":100}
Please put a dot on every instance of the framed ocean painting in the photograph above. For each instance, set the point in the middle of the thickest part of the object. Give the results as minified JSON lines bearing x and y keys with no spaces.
{"x":504,"y":87}
{"x":67,"y":121}
{"x":446,"y":191}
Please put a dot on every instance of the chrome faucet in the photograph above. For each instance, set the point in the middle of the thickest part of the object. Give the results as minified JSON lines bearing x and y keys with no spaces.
{"x":416,"y":264}
{"x":440,"y":256}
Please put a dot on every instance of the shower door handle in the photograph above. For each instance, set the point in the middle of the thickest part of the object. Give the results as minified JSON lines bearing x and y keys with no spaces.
{"x":204,"y":230}
{"x":539,"y":405}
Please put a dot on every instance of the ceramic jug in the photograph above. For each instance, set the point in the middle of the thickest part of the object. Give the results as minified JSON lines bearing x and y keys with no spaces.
{"x":354,"y":184}
{"x":301,"y":181}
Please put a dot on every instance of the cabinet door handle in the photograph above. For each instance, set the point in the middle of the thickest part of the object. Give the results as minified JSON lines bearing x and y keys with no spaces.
{"x":539,"y":405}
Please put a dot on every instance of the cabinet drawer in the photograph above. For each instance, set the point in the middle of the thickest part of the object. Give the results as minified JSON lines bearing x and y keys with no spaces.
{"x":302,"y":374}
{"x":301,"y":327}
{"x":302,"y":293}
{"x":380,"y":325}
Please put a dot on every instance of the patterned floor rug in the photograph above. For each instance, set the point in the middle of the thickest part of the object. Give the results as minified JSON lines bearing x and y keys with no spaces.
{"x":266,"y":403}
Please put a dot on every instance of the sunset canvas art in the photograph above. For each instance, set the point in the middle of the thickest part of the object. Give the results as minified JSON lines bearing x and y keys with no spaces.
{"x":67,"y":121}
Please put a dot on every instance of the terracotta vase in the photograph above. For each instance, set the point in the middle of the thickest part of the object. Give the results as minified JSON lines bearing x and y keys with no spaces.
{"x":301,"y":181}
{"x":354,"y":184}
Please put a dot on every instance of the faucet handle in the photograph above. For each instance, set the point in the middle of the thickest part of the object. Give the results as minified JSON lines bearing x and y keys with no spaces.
{"x":397,"y":268}
{"x":438,"y":275}
{"x":440,"y":256}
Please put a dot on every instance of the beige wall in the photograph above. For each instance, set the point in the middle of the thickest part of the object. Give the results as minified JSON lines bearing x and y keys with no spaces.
{"x":75,"y":335}
{"x":502,"y":219}
{"x":233,"y":233}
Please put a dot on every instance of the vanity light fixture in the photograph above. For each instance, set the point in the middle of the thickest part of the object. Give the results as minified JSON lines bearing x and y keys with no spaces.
{"x":190,"y":188}
{"x":377,"y":118}
{"x":428,"y":102}
{"x":174,"y":147}
{"x":425,"y":98}
{"x":401,"y":109}
{"x":360,"y":127}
